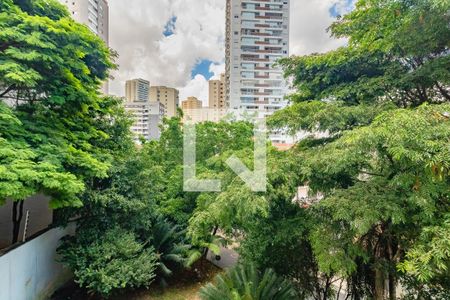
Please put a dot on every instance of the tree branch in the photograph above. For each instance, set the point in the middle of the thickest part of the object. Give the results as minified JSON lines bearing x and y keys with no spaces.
{"x":443,"y":91}
{"x":9,"y":89}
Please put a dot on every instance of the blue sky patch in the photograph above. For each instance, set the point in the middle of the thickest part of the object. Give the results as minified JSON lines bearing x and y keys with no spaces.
{"x":169,"y":28}
{"x":202,"y":68}
{"x":339,"y":8}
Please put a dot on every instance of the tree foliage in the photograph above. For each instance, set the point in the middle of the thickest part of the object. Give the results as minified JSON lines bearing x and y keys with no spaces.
{"x":48,"y":57}
{"x":57,"y":131}
{"x":398,"y":50}
{"x":51,"y":70}
{"x":104,"y":262}
{"x":381,"y":160}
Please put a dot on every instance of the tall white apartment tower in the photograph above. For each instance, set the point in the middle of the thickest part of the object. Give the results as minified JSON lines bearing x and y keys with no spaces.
{"x":95,"y":15}
{"x":257,"y":35}
{"x":92,"y":13}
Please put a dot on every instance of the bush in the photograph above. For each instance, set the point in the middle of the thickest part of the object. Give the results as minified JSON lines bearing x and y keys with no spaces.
{"x":107,"y":263}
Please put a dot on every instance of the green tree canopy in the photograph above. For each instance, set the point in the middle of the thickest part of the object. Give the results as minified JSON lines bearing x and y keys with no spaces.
{"x":58,"y":133}
{"x":398,"y":50}
{"x":381,"y":161}
{"x":51,"y":70}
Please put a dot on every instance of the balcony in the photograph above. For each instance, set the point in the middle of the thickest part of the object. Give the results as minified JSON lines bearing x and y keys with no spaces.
{"x":255,"y":59}
{"x":269,"y":17}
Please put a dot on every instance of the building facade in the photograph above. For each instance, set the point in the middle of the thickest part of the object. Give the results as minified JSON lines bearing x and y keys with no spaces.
{"x":147,"y":117}
{"x":192,"y":109}
{"x":137,"y":90}
{"x":95,"y":15}
{"x":92,"y":13}
{"x":257,"y":35}
{"x":217,"y":93}
{"x":169,"y":97}
{"x":191,"y":103}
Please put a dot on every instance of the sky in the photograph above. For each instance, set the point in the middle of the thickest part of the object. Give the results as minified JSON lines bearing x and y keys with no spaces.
{"x":181,"y":43}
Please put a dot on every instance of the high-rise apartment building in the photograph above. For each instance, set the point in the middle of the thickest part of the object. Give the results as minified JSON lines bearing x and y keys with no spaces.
{"x":167,"y":96}
{"x":147,"y":117}
{"x":95,"y":15}
{"x":257,"y":34}
{"x":191,"y":103}
{"x":92,"y":13}
{"x":217,"y":93}
{"x":137,"y":90}
{"x":193,"y":110}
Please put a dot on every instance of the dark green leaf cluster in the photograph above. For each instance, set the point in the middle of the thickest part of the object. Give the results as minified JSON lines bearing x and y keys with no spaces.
{"x":124,"y":203}
{"x":378,"y":116}
{"x":57,"y":133}
{"x":246,"y":282}
{"x":108,"y":261}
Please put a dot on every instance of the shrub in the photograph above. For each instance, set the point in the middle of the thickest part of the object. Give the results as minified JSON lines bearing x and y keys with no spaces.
{"x":107,"y":263}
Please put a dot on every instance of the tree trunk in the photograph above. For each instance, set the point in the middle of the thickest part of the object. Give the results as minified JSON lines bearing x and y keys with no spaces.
{"x":17,"y":214}
{"x":379,"y":284}
{"x":392,"y":287}
{"x":392,"y":280}
{"x":443,"y":91}
{"x":327,"y":288}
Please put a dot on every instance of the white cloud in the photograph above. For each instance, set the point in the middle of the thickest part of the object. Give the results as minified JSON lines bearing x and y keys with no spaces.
{"x":197,"y":87}
{"x":217,"y":69}
{"x":136,"y":33}
{"x":309,"y":22}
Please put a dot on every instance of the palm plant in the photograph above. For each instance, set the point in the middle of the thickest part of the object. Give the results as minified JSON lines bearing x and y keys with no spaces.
{"x":245,"y":282}
{"x":168,"y":240}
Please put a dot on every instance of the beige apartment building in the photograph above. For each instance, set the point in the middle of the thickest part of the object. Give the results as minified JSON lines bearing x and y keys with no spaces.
{"x":217,"y":93}
{"x":167,"y":96}
{"x":192,"y":108}
{"x":137,"y":90}
{"x":191,"y":103}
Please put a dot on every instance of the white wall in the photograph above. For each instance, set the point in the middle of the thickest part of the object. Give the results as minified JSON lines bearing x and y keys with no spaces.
{"x":31,"y":271}
{"x":40,"y":218}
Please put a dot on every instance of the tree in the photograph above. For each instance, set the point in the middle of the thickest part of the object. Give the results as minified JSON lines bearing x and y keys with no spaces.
{"x":165,"y":158}
{"x":383,"y":166}
{"x":383,"y":60}
{"x":430,"y":257}
{"x":111,"y":250}
{"x":48,"y":58}
{"x":24,"y":172}
{"x":246,"y":282}
{"x":50,"y":73}
{"x":124,"y":205}
{"x":280,"y":242}
{"x":377,"y":201}
{"x":143,"y":196}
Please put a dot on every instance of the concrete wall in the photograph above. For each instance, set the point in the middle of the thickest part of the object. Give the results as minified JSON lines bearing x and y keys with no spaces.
{"x":30,"y":271}
{"x":40,"y":218}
